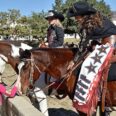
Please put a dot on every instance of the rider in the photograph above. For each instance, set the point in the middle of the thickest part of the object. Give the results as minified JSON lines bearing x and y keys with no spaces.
{"x":55,"y":32}
{"x":93,"y":25}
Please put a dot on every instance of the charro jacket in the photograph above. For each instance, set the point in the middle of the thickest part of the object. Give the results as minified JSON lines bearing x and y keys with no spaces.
{"x":55,"y":36}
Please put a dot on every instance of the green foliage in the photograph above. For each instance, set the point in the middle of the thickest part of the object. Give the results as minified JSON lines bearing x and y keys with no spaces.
{"x":58,"y":5}
{"x":13,"y":15}
{"x":38,"y":24}
{"x":101,"y":6}
{"x":3,"y":18}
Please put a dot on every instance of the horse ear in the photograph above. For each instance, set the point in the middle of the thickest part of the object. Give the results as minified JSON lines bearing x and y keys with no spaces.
{"x":25,"y":54}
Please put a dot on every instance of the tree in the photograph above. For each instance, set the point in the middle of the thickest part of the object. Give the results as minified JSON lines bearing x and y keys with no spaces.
{"x":101,"y":6}
{"x":38,"y":24}
{"x":58,"y":5}
{"x":13,"y":15}
{"x":69,"y":24}
{"x":3,"y":18}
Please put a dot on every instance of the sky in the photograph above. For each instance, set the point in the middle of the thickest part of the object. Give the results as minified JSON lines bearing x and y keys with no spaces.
{"x":27,"y":6}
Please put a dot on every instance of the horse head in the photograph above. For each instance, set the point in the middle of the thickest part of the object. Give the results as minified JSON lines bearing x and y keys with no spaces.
{"x":9,"y":54}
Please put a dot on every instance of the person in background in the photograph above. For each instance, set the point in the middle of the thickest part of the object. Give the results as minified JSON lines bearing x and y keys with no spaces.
{"x":93,"y":25}
{"x":55,"y":32}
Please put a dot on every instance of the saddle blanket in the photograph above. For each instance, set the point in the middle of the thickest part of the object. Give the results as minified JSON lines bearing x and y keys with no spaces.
{"x":90,"y":76}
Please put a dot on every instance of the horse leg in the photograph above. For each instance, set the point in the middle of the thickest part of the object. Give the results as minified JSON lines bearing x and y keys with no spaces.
{"x":41,"y":98}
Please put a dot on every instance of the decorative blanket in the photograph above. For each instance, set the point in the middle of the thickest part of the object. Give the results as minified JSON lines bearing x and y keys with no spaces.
{"x":86,"y":93}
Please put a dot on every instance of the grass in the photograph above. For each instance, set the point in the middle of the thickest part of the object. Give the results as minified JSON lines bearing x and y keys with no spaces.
{"x":70,"y":40}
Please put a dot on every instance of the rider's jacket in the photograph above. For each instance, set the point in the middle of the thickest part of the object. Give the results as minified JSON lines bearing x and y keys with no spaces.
{"x":55,"y":36}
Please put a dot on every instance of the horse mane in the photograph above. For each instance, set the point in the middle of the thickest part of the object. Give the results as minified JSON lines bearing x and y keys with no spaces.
{"x":74,"y":50}
{"x":57,"y":51}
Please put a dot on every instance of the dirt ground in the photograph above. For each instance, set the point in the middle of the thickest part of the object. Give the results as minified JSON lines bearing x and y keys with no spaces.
{"x":56,"y":107}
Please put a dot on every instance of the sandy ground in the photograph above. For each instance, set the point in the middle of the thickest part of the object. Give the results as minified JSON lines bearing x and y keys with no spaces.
{"x":56,"y":107}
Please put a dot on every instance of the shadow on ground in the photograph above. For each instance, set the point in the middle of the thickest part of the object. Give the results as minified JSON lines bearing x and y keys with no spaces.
{"x":61,"y":112}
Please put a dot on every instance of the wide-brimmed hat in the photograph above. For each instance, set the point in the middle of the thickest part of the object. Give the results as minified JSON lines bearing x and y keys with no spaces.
{"x":80,"y":8}
{"x":54,"y":15}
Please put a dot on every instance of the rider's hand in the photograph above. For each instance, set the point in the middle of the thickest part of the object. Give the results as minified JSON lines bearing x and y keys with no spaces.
{"x":71,"y":64}
{"x":43,"y":45}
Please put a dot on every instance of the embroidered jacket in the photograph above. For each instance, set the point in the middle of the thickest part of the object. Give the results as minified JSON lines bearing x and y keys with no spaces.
{"x":55,"y":36}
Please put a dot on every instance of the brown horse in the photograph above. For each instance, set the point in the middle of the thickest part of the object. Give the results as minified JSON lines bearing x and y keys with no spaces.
{"x":53,"y":62}
{"x":8,"y":54}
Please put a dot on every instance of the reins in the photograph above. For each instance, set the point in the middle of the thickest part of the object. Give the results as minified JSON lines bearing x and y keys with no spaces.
{"x":3,"y":58}
{"x":63,"y":78}
{"x":31,"y":70}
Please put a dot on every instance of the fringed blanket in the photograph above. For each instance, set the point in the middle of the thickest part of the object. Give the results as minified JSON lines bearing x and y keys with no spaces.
{"x":86,"y":93}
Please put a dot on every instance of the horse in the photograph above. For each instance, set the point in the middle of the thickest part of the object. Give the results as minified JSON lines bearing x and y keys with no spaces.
{"x":44,"y":61}
{"x":9,"y":54}
{"x":52,"y":62}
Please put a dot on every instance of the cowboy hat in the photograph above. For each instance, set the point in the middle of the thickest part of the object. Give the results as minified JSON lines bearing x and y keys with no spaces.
{"x":54,"y":15}
{"x":80,"y":8}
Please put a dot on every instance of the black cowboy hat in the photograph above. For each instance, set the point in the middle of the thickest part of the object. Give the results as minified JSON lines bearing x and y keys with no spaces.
{"x":54,"y":15}
{"x":81,"y":8}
